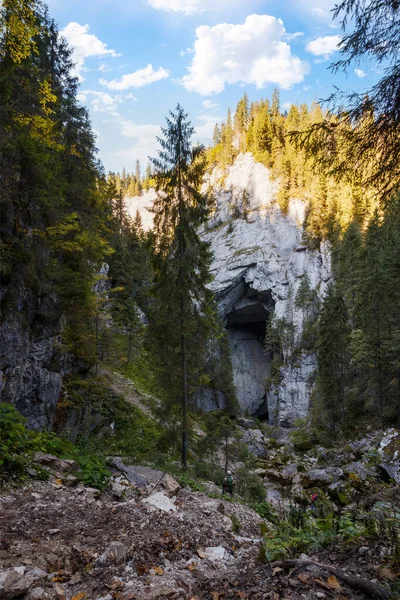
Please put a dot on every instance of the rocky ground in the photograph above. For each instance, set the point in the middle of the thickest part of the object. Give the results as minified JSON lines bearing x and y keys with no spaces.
{"x":146,"y":538}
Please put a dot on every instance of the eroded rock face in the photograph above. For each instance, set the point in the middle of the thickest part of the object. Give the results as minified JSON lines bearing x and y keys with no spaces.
{"x":30,"y":378}
{"x":259,"y":263}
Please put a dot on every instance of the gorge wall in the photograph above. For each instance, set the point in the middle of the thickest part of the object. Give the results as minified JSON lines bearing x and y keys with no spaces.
{"x":259,"y":263}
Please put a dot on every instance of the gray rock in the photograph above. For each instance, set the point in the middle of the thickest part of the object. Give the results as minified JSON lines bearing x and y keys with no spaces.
{"x":358,"y":469}
{"x":54,"y":464}
{"x":118,"y":490}
{"x":208,"y":399}
{"x":391,"y":471}
{"x":116,"y":552}
{"x":16,"y":582}
{"x":290,"y":470}
{"x":131,"y":473}
{"x":322,"y":476}
{"x":258,"y":265}
{"x":255,"y":440}
{"x":36,"y":593}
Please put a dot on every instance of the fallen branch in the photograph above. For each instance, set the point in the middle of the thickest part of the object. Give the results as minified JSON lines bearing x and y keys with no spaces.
{"x":371,"y":590}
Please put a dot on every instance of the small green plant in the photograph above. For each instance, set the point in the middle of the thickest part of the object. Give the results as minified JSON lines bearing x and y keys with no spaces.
{"x":93,"y":471}
{"x":265,"y":510}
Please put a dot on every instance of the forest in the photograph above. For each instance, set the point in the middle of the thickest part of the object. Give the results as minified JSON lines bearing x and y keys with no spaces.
{"x":111,"y":334}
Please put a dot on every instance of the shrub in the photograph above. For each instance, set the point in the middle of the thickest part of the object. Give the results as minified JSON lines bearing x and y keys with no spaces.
{"x":249,"y":486}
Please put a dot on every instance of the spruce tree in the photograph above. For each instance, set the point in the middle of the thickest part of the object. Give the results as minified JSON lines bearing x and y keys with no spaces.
{"x":333,"y":360}
{"x":183,"y":311}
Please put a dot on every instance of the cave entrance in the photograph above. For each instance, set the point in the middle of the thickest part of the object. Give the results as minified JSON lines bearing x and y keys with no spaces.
{"x":246,"y":324}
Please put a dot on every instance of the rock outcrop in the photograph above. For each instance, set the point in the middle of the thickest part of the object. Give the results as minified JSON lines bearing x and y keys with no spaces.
{"x":30,"y":360}
{"x":259,"y":263}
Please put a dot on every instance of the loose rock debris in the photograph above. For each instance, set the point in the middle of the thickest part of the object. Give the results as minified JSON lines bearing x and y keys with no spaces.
{"x":65,"y":543}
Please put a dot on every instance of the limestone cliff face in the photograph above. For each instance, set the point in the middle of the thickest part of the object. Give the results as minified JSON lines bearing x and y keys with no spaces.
{"x":259,"y":262}
{"x":30,"y":376}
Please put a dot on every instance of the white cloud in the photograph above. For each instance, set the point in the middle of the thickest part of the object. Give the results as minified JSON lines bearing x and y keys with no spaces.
{"x":187,"y":51}
{"x":254,"y":53}
{"x":145,"y":134}
{"x":324,"y":46}
{"x":187,"y":6}
{"x":204,"y":130}
{"x":208,"y":104}
{"x":360,"y":73}
{"x":103,"y":102}
{"x":145,"y":143}
{"x":104,"y":68}
{"x":137,"y":79}
{"x":84,"y":45}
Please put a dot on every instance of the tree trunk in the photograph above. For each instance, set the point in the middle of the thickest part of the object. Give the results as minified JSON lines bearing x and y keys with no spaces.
{"x":184,"y":405}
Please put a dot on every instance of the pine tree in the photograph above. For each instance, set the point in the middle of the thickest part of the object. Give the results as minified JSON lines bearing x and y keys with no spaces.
{"x":183,"y":313}
{"x":333,"y":360}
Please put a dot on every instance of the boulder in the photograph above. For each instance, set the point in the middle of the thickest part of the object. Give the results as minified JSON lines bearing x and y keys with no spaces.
{"x":322,"y":476}
{"x":130,"y":472}
{"x":256,"y":443}
{"x":358,"y":469}
{"x":17,"y":582}
{"x":118,"y":490}
{"x":170,"y":485}
{"x":54,"y":464}
{"x":274,"y":498}
{"x":212,"y":488}
{"x":160,"y":501}
{"x":290,"y":470}
{"x":390,"y":471}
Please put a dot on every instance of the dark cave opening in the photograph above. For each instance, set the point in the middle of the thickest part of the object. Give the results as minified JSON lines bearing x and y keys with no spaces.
{"x":246,"y":324}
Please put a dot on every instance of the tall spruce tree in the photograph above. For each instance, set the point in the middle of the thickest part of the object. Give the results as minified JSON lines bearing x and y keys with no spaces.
{"x":183,"y":312}
{"x":333,"y":359}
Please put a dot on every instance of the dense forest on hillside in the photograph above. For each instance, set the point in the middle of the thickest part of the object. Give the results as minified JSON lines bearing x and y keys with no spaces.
{"x":75,"y":269}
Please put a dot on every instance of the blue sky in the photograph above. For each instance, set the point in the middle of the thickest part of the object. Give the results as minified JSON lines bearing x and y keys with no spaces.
{"x":137,"y":58}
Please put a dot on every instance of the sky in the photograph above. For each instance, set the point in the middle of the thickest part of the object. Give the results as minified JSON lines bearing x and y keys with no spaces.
{"x":136,"y":59}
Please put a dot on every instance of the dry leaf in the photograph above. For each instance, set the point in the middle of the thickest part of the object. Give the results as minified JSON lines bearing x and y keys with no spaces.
{"x":386,"y":573}
{"x":333,"y":583}
{"x":192,"y":566}
{"x":322,"y":584}
{"x":216,"y":595}
{"x":276,"y":570}
{"x":158,"y":570}
{"x":58,"y":481}
{"x":242,"y":595}
{"x":80,"y":596}
{"x":303,"y":577}
{"x":201,"y":553}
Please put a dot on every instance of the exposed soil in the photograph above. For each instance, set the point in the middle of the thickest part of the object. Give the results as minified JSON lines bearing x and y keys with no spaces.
{"x":65,"y":531}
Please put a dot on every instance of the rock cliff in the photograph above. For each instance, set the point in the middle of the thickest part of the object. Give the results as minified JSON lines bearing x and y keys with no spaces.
{"x":259,"y":263}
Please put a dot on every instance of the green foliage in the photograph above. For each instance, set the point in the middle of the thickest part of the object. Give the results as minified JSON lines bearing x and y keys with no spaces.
{"x":302,"y":436}
{"x":249,"y":486}
{"x":265,"y":510}
{"x":18,"y":445}
{"x":290,"y":537}
{"x":93,"y":471}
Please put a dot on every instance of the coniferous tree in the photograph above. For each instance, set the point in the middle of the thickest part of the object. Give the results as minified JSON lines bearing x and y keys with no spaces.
{"x":333,"y":359}
{"x":183,"y":312}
